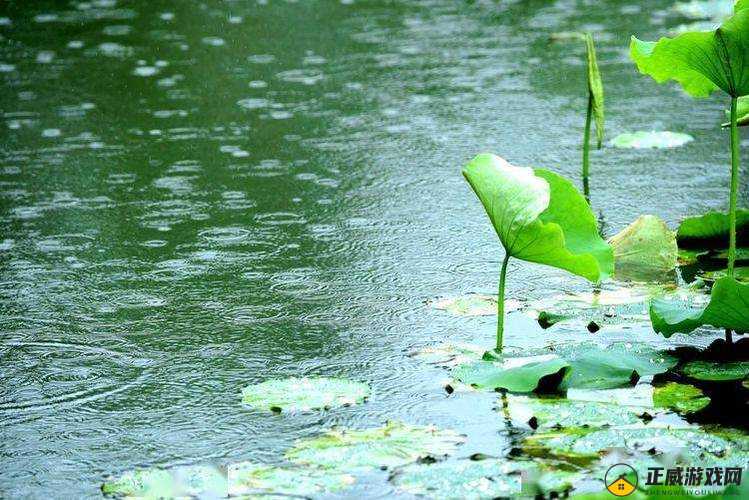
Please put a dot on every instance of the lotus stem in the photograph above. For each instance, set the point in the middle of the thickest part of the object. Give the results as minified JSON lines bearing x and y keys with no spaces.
{"x":501,"y":303}
{"x":586,"y":149}
{"x":734,"y":186}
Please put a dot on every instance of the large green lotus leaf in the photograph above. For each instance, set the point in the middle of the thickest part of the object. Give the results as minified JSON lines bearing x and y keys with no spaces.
{"x":716,"y":372}
{"x":180,"y":482}
{"x":701,"y":62}
{"x":645,"y":248}
{"x":304,"y":394}
{"x":543,"y":413}
{"x":683,"y":398}
{"x":595,"y":87}
{"x":540,"y":217}
{"x":247,"y":478}
{"x":393,"y":445}
{"x":728,"y":308}
{"x":741,"y":4}
{"x":651,"y":140}
{"x":609,"y":366}
{"x":711,"y":230}
{"x":542,"y":374}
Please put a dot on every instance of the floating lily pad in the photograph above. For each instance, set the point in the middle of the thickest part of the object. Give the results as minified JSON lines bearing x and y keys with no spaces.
{"x":609,"y":366}
{"x":180,"y":482}
{"x":541,"y":374}
{"x":603,"y":307}
{"x":449,"y":354}
{"x":474,"y":305}
{"x":740,"y":274}
{"x":247,"y":478}
{"x":304,"y":394}
{"x":393,"y":445}
{"x":711,"y":230}
{"x":461,"y":479}
{"x":728,"y":308}
{"x":580,"y":443}
{"x":704,"y":370}
{"x":542,"y":413}
{"x":651,"y":140}
{"x":680,"y":397}
{"x":644,"y":249}
{"x":481,"y":479}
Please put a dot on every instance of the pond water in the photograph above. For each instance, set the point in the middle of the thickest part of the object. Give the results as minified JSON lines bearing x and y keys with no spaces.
{"x":198,"y":196}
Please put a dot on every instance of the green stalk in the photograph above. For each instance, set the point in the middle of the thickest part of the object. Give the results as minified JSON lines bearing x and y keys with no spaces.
{"x":586,"y":149}
{"x":501,"y":304}
{"x":734,"y":196}
{"x":734,"y":185}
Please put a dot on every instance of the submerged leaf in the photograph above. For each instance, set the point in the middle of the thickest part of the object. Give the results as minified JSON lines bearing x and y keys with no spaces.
{"x":595,"y":87}
{"x":701,"y":62}
{"x":728,"y":308}
{"x":680,"y":397}
{"x":247,"y":478}
{"x":304,"y":394}
{"x":711,"y":230}
{"x":389,"y":446}
{"x":540,"y":217}
{"x":180,"y":482}
{"x":449,"y":354}
{"x":715,"y":372}
{"x":644,"y":248}
{"x":648,"y":140}
{"x":474,"y":305}
{"x":542,"y":374}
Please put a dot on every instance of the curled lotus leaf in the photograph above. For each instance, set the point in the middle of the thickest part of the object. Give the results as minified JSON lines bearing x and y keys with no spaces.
{"x":651,"y":140}
{"x":540,"y":217}
{"x":304,"y":394}
{"x":393,"y":445}
{"x":728,"y":308}
{"x":701,"y":62}
{"x":711,"y":230}
{"x":644,"y":249}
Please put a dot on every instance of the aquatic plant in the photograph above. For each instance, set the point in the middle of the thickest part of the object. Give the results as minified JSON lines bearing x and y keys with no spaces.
{"x":539,"y":217}
{"x":703,"y":62}
{"x":595,"y":110}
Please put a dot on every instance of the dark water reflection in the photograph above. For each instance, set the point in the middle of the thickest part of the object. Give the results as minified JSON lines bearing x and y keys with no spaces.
{"x":195,"y":196}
